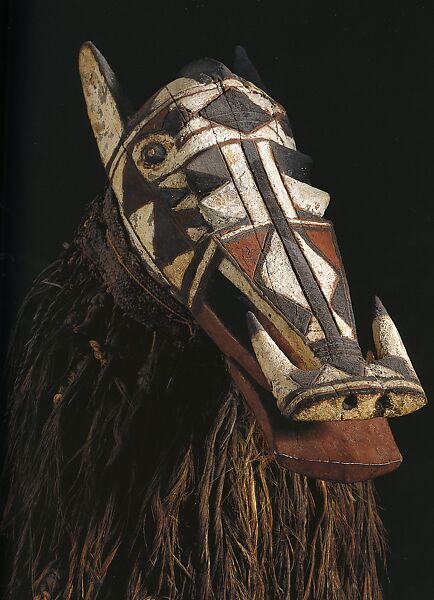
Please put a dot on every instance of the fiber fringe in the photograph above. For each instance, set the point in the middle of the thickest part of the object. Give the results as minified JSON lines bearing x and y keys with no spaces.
{"x":135,"y":471}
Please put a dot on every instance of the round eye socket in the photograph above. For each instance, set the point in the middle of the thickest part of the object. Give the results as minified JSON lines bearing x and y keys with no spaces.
{"x":154,"y":153}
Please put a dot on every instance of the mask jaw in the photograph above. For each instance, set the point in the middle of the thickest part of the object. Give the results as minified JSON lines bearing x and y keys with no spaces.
{"x":340,"y":451}
{"x":319,"y":444}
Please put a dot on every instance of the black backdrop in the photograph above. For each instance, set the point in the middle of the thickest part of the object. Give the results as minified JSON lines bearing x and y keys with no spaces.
{"x":356,"y":79}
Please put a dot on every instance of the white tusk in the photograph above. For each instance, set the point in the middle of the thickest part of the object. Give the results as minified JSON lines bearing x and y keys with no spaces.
{"x":387,"y":340}
{"x":275,"y":365}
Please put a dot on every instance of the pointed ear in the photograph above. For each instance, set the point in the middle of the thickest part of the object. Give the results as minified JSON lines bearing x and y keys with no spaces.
{"x":244,"y":68}
{"x":103,"y":98}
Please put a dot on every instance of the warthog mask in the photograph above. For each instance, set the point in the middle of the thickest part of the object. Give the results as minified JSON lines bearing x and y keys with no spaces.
{"x":217,"y":211}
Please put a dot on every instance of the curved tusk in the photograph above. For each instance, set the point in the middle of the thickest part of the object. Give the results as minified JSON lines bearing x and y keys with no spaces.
{"x":275,"y":365}
{"x":387,"y":340}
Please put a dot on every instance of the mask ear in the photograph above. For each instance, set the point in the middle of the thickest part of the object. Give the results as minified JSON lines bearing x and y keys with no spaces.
{"x":103,"y":98}
{"x":244,"y":68}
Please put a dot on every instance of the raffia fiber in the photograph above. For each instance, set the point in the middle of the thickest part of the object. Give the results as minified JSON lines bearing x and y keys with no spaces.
{"x":136,"y":472}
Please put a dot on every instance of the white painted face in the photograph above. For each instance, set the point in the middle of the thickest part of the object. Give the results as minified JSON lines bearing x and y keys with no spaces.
{"x":186,"y":120}
{"x":211,"y":143}
{"x":217,"y":201}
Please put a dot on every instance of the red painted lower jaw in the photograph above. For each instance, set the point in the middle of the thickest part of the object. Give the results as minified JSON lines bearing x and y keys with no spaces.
{"x":342,"y":451}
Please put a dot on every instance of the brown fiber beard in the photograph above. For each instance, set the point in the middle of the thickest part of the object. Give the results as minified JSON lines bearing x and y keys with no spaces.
{"x":135,"y":470}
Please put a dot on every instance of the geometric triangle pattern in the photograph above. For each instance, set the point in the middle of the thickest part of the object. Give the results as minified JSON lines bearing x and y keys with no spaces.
{"x":207,"y":171}
{"x":235,"y":110}
{"x":323,"y":240}
{"x":173,"y":196}
{"x":246,"y":249}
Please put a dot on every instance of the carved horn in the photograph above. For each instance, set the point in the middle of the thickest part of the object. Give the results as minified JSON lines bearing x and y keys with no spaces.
{"x":275,"y":365}
{"x":387,"y":340}
{"x":103,"y":99}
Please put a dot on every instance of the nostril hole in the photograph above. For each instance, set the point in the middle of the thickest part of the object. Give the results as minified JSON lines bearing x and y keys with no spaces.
{"x":383,"y":403}
{"x":349,"y":403}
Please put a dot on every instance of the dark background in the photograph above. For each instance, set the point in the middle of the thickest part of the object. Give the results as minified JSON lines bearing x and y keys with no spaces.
{"x":356,"y":79}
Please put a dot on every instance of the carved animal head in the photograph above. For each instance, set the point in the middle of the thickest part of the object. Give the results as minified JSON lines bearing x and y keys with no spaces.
{"x":217,"y":203}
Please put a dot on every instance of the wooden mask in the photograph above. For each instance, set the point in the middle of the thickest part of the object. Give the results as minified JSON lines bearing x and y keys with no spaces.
{"x":217,"y":204}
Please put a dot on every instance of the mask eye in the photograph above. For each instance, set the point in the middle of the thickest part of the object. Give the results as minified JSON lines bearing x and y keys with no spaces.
{"x":154,"y":153}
